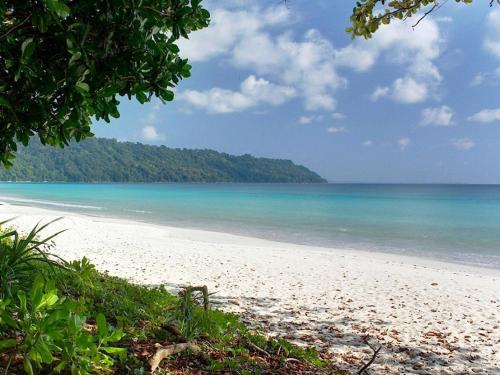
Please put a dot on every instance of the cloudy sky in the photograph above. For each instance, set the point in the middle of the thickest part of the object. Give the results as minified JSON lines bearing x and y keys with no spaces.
{"x":409,"y":105}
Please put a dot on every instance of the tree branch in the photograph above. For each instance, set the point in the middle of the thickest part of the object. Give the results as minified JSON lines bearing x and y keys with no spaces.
{"x":374,"y":356}
{"x":425,"y":14}
{"x":14,"y":28}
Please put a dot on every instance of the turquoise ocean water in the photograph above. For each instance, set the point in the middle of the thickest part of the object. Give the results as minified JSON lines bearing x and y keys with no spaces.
{"x":458,"y":223}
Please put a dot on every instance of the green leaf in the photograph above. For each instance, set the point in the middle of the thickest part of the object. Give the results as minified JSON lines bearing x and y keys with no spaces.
{"x":44,"y":352}
{"x":117,"y":335}
{"x":75,"y":57}
{"x":110,"y":90}
{"x":167,"y":95}
{"x":173,"y":48}
{"x":4,"y":102}
{"x":58,"y":7}
{"x":102,"y":326}
{"x":22,"y":301}
{"x":120,"y":352}
{"x":141,"y":97}
{"x":7,"y":343}
{"x":82,"y":87}
{"x":27,"y":366}
{"x":49,"y":299}
{"x":27,"y":49}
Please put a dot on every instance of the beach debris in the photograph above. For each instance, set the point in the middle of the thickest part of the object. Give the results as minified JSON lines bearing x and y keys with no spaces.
{"x":187,"y":292}
{"x":374,"y":356}
{"x":163,"y":352}
{"x":258,"y":349}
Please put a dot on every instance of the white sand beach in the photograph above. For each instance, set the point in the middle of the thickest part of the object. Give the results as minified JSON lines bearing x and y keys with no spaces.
{"x":430,"y":317}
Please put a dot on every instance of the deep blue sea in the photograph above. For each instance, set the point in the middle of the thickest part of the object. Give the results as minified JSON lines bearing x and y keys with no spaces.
{"x":458,"y":223}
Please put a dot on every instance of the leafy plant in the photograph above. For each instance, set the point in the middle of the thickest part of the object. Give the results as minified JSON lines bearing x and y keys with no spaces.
{"x":42,"y":324}
{"x":188,"y":316}
{"x":83,"y":273}
{"x":21,"y":259}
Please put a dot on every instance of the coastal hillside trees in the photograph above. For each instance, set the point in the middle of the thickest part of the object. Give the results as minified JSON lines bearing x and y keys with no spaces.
{"x":64,"y":62}
{"x":368,"y":15}
{"x":106,"y":160}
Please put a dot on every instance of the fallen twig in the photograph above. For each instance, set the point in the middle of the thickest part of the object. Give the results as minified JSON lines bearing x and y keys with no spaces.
{"x":165,"y":351}
{"x":369,"y":363}
{"x":256,"y":348}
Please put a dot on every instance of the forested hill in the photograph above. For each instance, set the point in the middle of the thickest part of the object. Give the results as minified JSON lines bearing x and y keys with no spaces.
{"x":106,"y":160}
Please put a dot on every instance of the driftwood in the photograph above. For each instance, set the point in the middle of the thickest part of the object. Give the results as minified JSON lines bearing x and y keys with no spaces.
{"x":374,"y":356}
{"x":256,"y":348}
{"x":204,"y":291}
{"x":165,"y":351}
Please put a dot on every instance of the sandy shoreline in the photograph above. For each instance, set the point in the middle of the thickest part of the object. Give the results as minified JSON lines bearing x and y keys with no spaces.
{"x":430,"y":317}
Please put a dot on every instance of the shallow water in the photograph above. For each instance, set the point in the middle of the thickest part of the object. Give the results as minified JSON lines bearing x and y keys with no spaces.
{"x":459,"y":223}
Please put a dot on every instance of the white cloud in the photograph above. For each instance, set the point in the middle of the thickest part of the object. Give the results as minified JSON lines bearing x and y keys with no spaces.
{"x":263,"y":41}
{"x":336,"y":129}
{"x":463,"y":144}
{"x":338,"y":116}
{"x":438,"y":116}
{"x":380,"y":92}
{"x":408,"y":90}
{"x":217,"y":100}
{"x":478,"y":79}
{"x":244,"y":39}
{"x":149,"y":133}
{"x":304,"y":120}
{"x":492,"y":40}
{"x":491,"y":78}
{"x":305,"y":64}
{"x":367,"y":143}
{"x":357,"y":57}
{"x":253,"y":91}
{"x":486,"y":115}
{"x":416,"y":51}
{"x":403,"y":143}
{"x":227,"y":27}
{"x":404,"y":90}
{"x":443,"y":19}
{"x":261,"y":90}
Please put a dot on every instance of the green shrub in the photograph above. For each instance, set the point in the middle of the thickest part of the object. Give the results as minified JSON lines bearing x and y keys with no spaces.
{"x":21,"y":259}
{"x":42,"y":324}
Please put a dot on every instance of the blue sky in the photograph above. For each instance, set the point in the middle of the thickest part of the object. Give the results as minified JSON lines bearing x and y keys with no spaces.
{"x":287,"y":82}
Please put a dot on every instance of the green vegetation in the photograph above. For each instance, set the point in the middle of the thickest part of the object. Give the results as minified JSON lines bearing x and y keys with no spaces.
{"x":369,"y":15}
{"x":105,"y":160}
{"x":68,"y":318}
{"x":63,"y":62}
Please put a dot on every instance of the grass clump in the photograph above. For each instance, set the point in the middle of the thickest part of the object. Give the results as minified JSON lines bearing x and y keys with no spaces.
{"x":69,"y":318}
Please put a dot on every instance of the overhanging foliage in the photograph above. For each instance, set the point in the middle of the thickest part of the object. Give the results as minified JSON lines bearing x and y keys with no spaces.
{"x":63,"y":62}
{"x":368,"y":15}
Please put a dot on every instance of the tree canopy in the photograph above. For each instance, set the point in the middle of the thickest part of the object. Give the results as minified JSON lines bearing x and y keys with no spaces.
{"x":64,"y":62}
{"x":106,"y":160}
{"x":368,"y":15}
